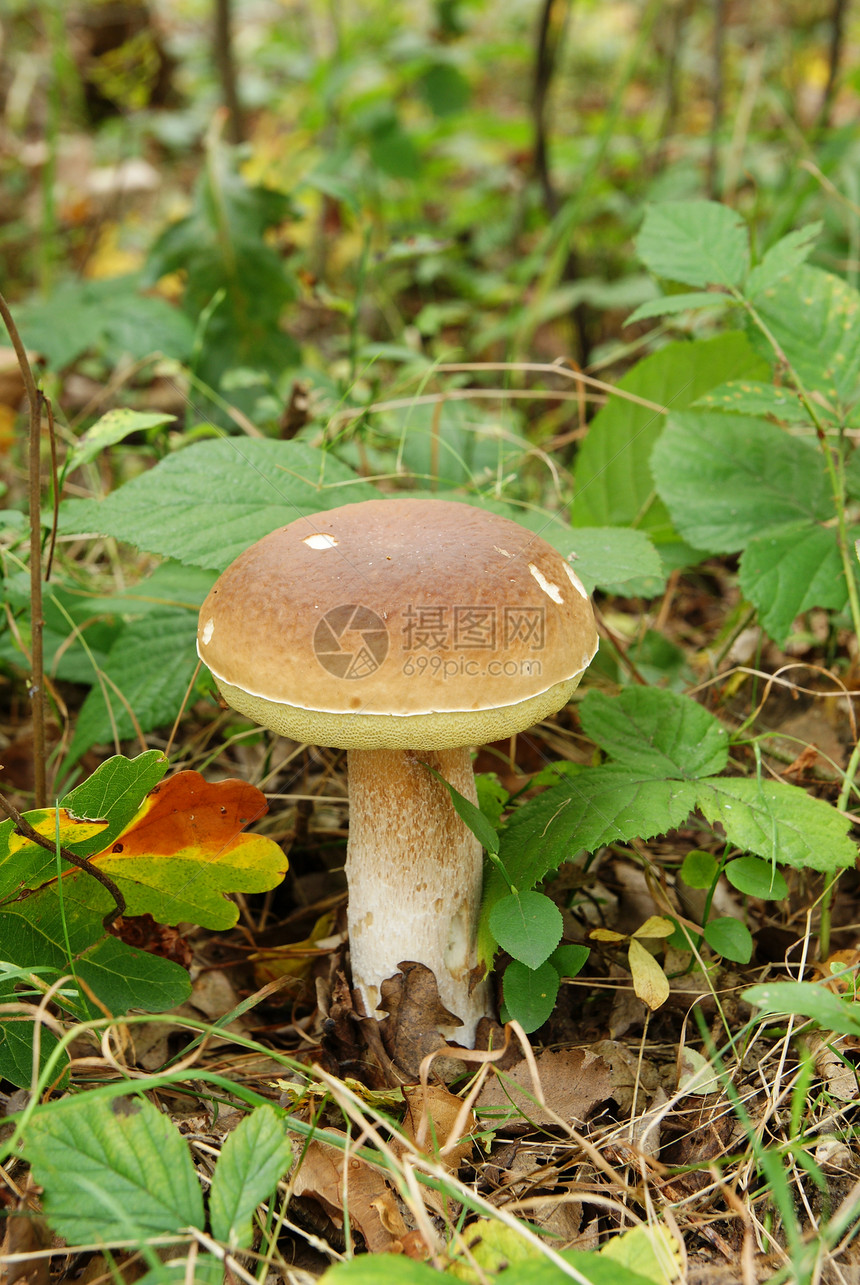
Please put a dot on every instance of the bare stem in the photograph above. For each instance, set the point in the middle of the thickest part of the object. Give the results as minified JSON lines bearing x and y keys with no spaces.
{"x":35,"y":400}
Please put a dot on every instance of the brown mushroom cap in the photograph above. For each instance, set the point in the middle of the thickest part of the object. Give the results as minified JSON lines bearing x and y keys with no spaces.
{"x":403,"y":623}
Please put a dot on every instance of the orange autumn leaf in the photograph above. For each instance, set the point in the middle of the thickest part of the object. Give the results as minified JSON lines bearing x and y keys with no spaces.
{"x":184,"y":851}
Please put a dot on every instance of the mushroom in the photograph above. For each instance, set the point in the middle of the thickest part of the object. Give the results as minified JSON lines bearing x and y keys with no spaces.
{"x":405,"y":631}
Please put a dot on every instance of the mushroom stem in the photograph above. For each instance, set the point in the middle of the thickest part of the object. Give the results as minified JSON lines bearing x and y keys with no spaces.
{"x":414,"y":875}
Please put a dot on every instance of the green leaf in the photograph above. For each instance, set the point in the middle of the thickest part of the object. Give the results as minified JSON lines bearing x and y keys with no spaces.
{"x":755,"y":878}
{"x":113,"y":427}
{"x":528,"y":926}
{"x":253,"y":1158}
{"x":589,"y":808}
{"x":111,"y":317}
{"x":170,"y":585}
{"x":807,"y":999}
{"x":124,"y":978}
{"x":492,"y":797}
{"x":729,"y":478}
{"x":614,"y":486}
{"x":530,"y":994}
{"x":615,"y":559}
{"x":469,"y":814}
{"x":782,"y":260}
{"x":790,"y":571}
{"x":226,"y":260}
{"x":112,"y":1171}
{"x":146,"y":674}
{"x":655,"y":731}
{"x":113,"y":793}
{"x":755,"y":397}
{"x":444,"y":88}
{"x":17,"y":1040}
{"x":34,"y":930}
{"x":207,"y":503}
{"x":380,"y":1269}
{"x":814,"y":317}
{"x":672,"y":303}
{"x":699,"y":243}
{"x":729,"y":938}
{"x":779,"y":822}
{"x":569,"y":960}
{"x":699,"y":869}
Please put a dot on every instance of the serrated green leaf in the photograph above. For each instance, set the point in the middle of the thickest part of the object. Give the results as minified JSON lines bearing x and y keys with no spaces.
{"x":528,"y":926}
{"x":672,"y":303}
{"x":699,"y":869}
{"x":170,"y":585}
{"x":790,"y":571}
{"x":782,"y":259}
{"x":207,"y":503}
{"x":815,"y":318}
{"x":253,"y":1158}
{"x":807,"y":999}
{"x":146,"y":674}
{"x":530,"y":994}
{"x":614,"y":486}
{"x":755,"y":397}
{"x":115,"y":426}
{"x":779,"y":822}
{"x":109,"y":1175}
{"x":729,"y":938}
{"x":655,"y":731}
{"x":729,"y":478}
{"x":755,"y":878}
{"x":589,"y":808}
{"x":112,"y":317}
{"x":615,"y":559}
{"x":569,"y":960}
{"x":699,"y":243}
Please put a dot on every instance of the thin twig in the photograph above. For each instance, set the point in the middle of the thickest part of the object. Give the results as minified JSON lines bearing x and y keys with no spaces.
{"x":35,"y":400}
{"x":23,"y":827}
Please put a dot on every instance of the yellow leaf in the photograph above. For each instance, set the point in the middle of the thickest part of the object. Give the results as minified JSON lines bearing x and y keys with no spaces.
{"x":649,"y":981}
{"x":45,"y":823}
{"x":606,"y":934}
{"x":651,"y":1251}
{"x":293,"y":960}
{"x":655,"y":926}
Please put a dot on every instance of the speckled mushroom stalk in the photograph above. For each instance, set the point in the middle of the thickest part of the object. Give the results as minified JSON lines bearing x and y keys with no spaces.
{"x":414,"y":875}
{"x":404,"y":631}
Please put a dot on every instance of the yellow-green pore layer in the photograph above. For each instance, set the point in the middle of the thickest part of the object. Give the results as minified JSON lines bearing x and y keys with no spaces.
{"x":403,"y":623}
